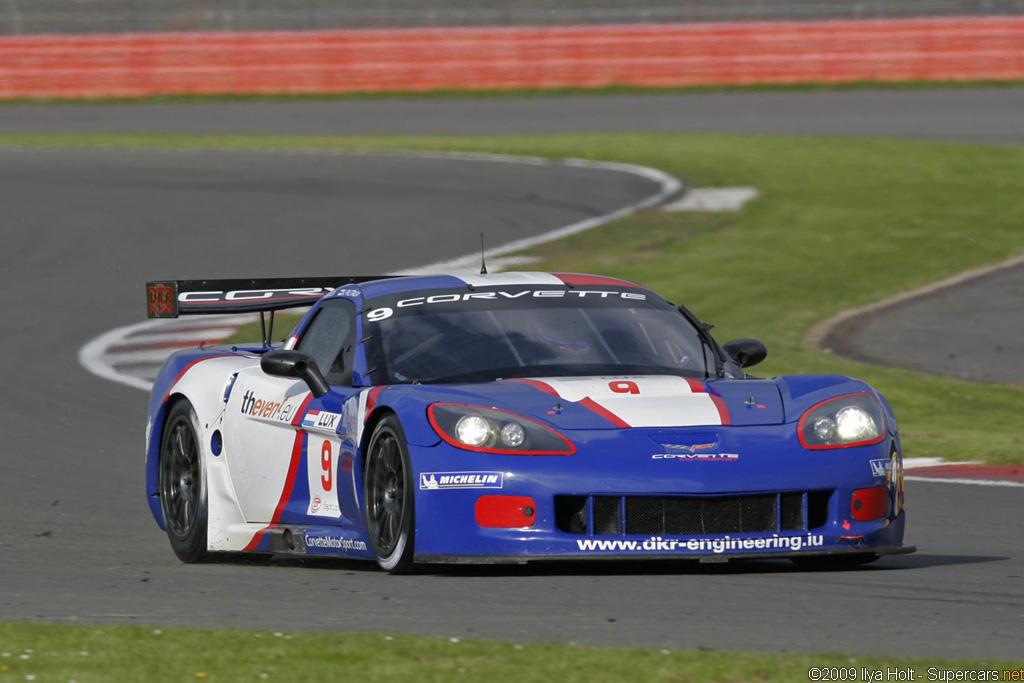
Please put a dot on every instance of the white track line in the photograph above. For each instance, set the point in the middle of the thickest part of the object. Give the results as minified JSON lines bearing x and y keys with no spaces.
{"x":925,"y":463}
{"x":670,"y":186}
{"x":976,"y":482}
{"x":152,"y":356}
{"x":185,"y":337}
{"x":915,"y":463}
{"x":94,"y":357}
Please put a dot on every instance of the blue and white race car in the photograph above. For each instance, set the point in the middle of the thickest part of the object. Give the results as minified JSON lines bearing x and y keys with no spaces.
{"x":506,"y":418}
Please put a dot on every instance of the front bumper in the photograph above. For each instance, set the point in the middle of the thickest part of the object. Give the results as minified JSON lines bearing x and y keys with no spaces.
{"x":780,"y":502}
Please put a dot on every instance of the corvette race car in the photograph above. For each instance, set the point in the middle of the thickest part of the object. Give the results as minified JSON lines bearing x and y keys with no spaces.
{"x":506,"y":418}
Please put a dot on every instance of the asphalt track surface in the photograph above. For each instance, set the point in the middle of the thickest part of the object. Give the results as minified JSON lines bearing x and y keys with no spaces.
{"x":84,"y":229}
{"x":987,"y":115}
{"x":971,"y":331}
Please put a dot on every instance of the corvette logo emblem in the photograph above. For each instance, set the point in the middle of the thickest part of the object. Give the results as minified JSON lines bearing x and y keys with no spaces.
{"x":697,"y":457}
{"x":693,"y":453}
{"x":688,"y":449}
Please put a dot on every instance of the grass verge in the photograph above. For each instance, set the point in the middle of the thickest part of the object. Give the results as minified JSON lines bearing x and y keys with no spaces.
{"x":840,"y":223}
{"x":46,"y":652}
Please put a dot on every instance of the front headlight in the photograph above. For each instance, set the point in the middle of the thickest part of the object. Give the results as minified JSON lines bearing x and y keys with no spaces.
{"x":841,"y":422}
{"x":488,"y":430}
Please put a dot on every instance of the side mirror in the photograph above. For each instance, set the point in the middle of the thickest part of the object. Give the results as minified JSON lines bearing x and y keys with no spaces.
{"x":296,"y":365}
{"x":746,"y":352}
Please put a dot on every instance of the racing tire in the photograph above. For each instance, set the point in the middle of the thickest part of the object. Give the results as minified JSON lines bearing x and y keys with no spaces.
{"x":389,"y":497}
{"x":834,"y":562}
{"x":183,"y":497}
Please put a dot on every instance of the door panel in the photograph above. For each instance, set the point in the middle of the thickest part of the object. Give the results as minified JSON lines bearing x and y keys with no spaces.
{"x":261,"y":443}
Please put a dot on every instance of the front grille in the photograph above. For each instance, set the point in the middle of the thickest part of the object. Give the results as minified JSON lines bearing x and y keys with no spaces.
{"x":691,"y":515}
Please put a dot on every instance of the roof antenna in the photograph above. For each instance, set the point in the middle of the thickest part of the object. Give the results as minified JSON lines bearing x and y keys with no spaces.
{"x":483,"y":261}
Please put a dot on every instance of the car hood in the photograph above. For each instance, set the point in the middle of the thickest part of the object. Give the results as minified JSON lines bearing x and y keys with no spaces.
{"x":569,"y":403}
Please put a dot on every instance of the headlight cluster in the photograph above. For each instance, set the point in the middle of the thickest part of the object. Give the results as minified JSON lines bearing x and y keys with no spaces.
{"x":489,"y":430}
{"x":841,"y":422}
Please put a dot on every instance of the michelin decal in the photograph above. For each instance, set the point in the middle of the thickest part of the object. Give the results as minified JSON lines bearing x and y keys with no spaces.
{"x":461,"y":480}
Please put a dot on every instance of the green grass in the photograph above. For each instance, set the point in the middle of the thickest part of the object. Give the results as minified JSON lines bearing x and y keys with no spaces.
{"x":840,"y":223}
{"x":82,"y":653}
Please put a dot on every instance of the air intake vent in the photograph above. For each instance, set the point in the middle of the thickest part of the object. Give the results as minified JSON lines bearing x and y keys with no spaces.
{"x":691,"y":515}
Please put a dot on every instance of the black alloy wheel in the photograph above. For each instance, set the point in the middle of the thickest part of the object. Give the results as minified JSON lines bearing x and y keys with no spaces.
{"x":182,"y":484}
{"x":388,"y":489}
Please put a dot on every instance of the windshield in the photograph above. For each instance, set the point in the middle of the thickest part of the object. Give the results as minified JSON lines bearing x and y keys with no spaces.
{"x":452,"y":336}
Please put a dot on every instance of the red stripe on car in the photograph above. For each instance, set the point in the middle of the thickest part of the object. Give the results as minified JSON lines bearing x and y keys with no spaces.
{"x":577,"y":280}
{"x":591,"y":404}
{"x":301,"y":412}
{"x":371,"y":401}
{"x":696,"y":386}
{"x":537,"y":384}
{"x":723,"y":412}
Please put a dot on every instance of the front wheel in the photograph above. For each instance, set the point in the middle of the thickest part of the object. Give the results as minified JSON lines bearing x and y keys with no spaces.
{"x":183,"y":484}
{"x":388,"y":492}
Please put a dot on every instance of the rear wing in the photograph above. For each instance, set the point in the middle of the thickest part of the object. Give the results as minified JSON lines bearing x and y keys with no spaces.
{"x":171,"y":298}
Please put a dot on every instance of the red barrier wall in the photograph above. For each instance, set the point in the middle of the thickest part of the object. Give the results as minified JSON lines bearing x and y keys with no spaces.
{"x":658,"y":55}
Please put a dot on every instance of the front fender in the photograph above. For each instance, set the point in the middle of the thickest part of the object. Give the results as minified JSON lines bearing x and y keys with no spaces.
{"x":411,"y":411}
{"x":802,"y":392}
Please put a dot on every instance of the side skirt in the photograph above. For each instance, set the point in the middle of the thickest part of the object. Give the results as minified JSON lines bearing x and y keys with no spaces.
{"x":292,"y":539}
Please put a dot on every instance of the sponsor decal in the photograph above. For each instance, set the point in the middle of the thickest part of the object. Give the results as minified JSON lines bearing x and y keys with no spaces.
{"x":162,"y":303}
{"x":320,"y":542}
{"x":880,"y":468}
{"x":895,"y":482}
{"x":279,"y":411}
{"x":323,"y":508}
{"x":384,"y":312}
{"x":218,"y":296}
{"x":461,"y":480}
{"x":321,"y":419}
{"x":717,"y":546}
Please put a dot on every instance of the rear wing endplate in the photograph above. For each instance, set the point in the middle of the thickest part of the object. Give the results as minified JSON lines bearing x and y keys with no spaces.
{"x":171,"y":298}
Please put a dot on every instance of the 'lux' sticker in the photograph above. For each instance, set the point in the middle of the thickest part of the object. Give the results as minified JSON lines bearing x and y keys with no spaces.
{"x":321,"y":419}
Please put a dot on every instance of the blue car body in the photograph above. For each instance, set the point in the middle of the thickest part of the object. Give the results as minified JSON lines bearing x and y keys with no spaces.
{"x":590,"y":450}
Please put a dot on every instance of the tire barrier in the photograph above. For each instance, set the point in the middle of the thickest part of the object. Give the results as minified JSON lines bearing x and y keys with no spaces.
{"x":978,"y":48}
